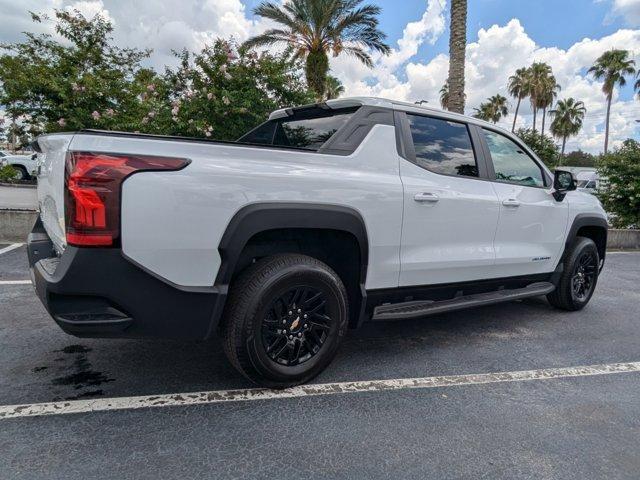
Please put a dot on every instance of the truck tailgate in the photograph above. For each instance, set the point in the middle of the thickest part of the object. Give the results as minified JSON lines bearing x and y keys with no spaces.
{"x":50,"y":172}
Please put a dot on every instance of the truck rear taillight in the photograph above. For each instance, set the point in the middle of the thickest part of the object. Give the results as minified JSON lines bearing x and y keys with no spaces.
{"x":93,"y":183}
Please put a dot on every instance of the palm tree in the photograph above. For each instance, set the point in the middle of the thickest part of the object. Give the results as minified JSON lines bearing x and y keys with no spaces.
{"x":548,"y":92}
{"x":457,"y":48}
{"x":567,"y":119}
{"x":493,"y":109}
{"x":333,"y":88}
{"x":612,"y":66}
{"x":444,"y":95}
{"x":519,"y":88}
{"x":315,"y":28}
{"x":539,"y":74}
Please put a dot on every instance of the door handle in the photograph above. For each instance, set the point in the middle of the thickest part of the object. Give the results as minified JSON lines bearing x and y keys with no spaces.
{"x":426,"y":197}
{"x":511,"y":202}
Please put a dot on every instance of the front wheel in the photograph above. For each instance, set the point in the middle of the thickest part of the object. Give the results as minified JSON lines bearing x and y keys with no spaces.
{"x":579,"y":277}
{"x":285,"y":319}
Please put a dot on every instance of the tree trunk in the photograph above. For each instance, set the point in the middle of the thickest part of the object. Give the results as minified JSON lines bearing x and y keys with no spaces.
{"x":535,"y":113}
{"x":564,"y":142}
{"x":457,"y":47}
{"x":544,"y":116}
{"x":316,"y":70}
{"x":606,"y":128}
{"x":515,"y":116}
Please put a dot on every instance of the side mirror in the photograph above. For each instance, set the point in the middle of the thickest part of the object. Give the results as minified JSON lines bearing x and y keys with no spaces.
{"x":563,"y":182}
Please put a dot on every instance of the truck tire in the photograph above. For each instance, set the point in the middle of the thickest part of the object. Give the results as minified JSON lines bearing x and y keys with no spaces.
{"x":579,"y":277}
{"x":285,"y":318}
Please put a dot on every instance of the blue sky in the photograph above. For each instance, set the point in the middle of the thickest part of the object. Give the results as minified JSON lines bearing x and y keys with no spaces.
{"x":503,"y":35}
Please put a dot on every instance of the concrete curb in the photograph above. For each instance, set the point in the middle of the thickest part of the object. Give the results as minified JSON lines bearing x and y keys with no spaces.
{"x":15,"y":224}
{"x":620,"y":239}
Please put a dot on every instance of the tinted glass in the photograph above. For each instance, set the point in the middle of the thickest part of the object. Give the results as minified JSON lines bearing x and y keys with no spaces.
{"x":308,"y":129}
{"x":511,"y":163}
{"x":443,"y":146}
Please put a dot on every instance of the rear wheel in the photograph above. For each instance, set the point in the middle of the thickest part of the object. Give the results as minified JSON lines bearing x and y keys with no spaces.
{"x":285,"y":319}
{"x":579,"y":277}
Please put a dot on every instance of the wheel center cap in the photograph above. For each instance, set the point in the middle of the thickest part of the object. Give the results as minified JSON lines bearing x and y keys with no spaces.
{"x":295,"y":323}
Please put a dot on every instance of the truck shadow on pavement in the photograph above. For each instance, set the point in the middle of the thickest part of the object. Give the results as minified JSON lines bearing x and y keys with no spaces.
{"x":90,"y":368}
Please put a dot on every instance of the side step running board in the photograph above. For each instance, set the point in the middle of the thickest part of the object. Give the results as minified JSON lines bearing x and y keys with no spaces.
{"x":416,"y":309}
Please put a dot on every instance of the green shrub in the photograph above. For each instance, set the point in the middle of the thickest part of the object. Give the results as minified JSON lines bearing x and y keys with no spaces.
{"x":7,"y":173}
{"x":620,"y":190}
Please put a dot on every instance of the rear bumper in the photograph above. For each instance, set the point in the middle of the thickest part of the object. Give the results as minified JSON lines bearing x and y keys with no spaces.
{"x":98,"y":292}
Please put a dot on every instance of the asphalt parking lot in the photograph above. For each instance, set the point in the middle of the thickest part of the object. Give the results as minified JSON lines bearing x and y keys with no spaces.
{"x":569,"y":427}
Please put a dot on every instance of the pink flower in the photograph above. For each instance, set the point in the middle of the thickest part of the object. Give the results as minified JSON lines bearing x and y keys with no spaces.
{"x":175,"y":119}
{"x":226,"y":100}
{"x":96,"y":115}
{"x":109,"y":112}
{"x":208,"y":134}
{"x":175,"y":110}
{"x":209,"y":96}
{"x":145,"y":120}
{"x":190,"y":121}
{"x":151,"y":87}
{"x":151,"y":114}
{"x":62,"y":122}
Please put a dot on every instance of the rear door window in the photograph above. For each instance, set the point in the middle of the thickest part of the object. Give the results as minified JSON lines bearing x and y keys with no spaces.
{"x":308,"y":129}
{"x":443,"y":146}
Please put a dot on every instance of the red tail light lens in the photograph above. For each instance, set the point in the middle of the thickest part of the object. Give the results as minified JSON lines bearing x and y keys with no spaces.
{"x":92,"y":193}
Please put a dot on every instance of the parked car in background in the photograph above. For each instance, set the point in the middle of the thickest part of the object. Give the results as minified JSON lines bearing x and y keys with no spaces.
{"x":25,"y":165}
{"x":587,"y":179}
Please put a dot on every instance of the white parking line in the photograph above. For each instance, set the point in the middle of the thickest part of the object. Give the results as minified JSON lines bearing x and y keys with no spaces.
{"x":230,"y":396}
{"x":10,"y":247}
{"x":15,"y":282}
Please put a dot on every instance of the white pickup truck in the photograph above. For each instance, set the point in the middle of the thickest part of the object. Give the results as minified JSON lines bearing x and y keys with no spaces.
{"x":323,"y":217}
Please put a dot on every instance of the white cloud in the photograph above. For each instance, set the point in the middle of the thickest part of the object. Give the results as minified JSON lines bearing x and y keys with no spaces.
{"x":496,"y":53}
{"x":160,"y":25}
{"x":628,"y":10}
{"x":493,"y":57}
{"x":428,"y":28}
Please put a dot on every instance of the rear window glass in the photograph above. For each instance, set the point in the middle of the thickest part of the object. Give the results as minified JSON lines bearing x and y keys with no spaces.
{"x":308,"y":129}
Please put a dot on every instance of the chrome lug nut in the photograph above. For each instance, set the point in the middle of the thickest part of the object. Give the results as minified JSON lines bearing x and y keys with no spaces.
{"x":299,"y":310}
{"x":290,"y":312}
{"x":290,"y":337}
{"x":299,"y":335}
{"x":305,"y":315}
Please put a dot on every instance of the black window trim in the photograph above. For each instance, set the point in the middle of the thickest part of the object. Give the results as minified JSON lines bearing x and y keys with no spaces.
{"x":490,"y":168}
{"x":347,"y":138}
{"x":406,"y":148}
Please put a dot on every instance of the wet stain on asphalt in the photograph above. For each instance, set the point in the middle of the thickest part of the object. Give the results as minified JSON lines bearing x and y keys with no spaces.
{"x":83,"y":379}
{"x":82,"y":376}
{"x":75,"y":349}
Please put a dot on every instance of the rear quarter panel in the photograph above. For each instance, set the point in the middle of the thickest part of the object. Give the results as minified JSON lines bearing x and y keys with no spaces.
{"x":172,"y":222}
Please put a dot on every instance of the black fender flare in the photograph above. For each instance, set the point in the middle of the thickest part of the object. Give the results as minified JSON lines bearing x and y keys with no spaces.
{"x":259,"y":217}
{"x":582,"y":220}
